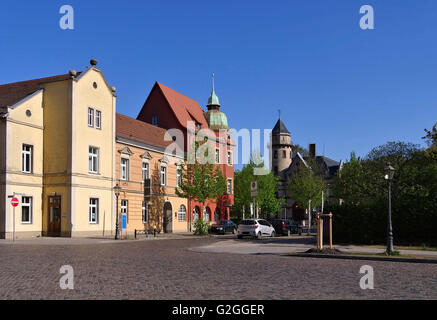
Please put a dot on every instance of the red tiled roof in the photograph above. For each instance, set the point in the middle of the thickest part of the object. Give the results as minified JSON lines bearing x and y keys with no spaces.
{"x":12,"y":93}
{"x":133,"y":129}
{"x":185,"y":109}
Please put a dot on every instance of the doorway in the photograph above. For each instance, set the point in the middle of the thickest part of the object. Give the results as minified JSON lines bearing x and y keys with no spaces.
{"x":168,"y":218}
{"x":54,"y":216}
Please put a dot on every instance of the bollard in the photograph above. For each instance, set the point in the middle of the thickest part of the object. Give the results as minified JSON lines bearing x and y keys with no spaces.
{"x":330,"y":230}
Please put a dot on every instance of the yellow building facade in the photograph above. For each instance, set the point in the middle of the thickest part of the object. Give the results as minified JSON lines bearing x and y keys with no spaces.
{"x":57,"y":155}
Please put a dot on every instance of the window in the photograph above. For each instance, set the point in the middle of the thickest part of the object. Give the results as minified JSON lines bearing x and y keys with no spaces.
{"x":217,"y":156}
{"x":205,"y":215}
{"x":90,"y":117}
{"x":124,"y":209}
{"x":98,"y":119}
{"x":155,"y":120}
{"x":275,"y":154}
{"x":124,"y":169}
{"x":163,"y":176}
{"x":182,"y":214}
{"x":145,"y":171}
{"x":26,"y":210}
{"x":178,"y":177}
{"x":229,"y":158}
{"x":229,"y":186}
{"x":26,"y":158}
{"x":284,"y":154}
{"x":93,"y":166}
{"x":94,"y":210}
{"x":144,"y":212}
{"x":276,"y":170}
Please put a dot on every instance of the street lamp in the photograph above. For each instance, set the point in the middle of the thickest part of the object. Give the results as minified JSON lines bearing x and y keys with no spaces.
{"x":117,"y":194}
{"x":389,"y":173}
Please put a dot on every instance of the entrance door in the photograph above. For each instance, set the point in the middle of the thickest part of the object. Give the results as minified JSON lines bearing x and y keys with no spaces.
{"x":54,"y":225}
{"x":168,"y":217}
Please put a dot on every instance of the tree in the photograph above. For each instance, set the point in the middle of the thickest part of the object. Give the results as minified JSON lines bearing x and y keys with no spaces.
{"x":200,"y":182}
{"x":267,"y":188}
{"x":307,"y":184}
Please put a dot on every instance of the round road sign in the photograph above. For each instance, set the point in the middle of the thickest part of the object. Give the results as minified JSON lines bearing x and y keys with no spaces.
{"x":14,"y":202}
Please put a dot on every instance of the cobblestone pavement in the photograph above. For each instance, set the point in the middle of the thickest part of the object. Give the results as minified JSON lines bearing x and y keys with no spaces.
{"x":166,"y":269}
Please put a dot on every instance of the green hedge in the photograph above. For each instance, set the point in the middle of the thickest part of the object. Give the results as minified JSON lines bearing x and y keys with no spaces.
{"x":413,"y":223}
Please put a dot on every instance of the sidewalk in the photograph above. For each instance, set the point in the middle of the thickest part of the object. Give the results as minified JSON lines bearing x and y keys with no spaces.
{"x":296,"y":245}
{"x":94,"y":240}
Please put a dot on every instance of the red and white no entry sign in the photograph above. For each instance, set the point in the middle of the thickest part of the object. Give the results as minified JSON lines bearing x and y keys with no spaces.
{"x":14,"y":202}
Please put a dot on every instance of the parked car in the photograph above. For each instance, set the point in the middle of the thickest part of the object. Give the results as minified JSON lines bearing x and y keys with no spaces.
{"x":255,"y":228}
{"x":223,"y":226}
{"x":286,"y":227}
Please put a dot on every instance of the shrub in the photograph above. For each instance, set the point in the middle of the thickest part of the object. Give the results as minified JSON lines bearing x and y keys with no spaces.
{"x":201,"y":227}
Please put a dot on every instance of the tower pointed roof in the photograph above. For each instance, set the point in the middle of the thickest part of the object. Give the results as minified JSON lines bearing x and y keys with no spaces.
{"x":280,"y":128}
{"x":213,"y":100}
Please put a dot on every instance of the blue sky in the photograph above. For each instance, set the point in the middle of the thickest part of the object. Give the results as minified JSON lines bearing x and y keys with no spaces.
{"x":337,"y":85}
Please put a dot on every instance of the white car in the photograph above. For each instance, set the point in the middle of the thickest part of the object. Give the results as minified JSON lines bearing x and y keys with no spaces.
{"x":255,"y":228}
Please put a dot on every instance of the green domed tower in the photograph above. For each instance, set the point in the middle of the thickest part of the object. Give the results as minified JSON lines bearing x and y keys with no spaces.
{"x":216,"y":119}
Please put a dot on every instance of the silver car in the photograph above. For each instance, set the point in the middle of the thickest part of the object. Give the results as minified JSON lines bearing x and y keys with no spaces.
{"x":255,"y":228}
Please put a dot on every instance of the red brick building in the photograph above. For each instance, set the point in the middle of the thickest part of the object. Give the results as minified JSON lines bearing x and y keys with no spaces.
{"x":169,"y":109}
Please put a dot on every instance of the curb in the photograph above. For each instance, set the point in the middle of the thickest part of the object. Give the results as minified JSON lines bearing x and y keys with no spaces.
{"x":368,"y":258}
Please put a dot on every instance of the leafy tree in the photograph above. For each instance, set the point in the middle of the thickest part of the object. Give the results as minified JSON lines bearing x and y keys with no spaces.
{"x":200,"y":182}
{"x":307,"y":184}
{"x":267,"y":188}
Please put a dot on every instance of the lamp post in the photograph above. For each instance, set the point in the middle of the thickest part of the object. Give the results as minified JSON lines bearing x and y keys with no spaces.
{"x":389,"y":173}
{"x":117,"y":229}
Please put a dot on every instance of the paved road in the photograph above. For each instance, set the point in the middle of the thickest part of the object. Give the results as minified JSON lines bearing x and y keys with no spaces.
{"x":166,"y":269}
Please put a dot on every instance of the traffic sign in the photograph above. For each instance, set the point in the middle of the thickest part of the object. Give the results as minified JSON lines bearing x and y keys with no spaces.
{"x":14,"y":202}
{"x":253,"y":189}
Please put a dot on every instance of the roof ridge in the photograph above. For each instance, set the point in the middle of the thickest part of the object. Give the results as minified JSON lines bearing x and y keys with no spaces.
{"x":39,"y":80}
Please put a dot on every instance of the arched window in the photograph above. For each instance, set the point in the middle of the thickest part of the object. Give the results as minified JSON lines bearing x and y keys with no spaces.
{"x":206,"y":214}
{"x":195,"y":214}
{"x":182,"y":214}
{"x":284,"y":154}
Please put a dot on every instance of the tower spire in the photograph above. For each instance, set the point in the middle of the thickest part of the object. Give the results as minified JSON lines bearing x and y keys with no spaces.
{"x":213,"y":100}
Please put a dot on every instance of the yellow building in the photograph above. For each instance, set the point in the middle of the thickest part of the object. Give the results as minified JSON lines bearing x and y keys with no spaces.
{"x":57,"y":153}
{"x":140,"y":155}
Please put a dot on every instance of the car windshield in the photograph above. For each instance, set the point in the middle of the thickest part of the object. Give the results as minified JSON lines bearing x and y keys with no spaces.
{"x":248,"y":222}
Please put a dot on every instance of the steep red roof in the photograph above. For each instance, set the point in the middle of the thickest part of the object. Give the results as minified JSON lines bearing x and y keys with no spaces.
{"x":140,"y":131}
{"x":185,"y":109}
{"x":12,"y":93}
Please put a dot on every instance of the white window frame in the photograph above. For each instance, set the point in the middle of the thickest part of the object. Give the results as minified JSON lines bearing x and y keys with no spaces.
{"x":229,"y":158}
{"x":124,"y":209}
{"x":217,"y":156}
{"x":182,"y":214}
{"x":144,"y":209}
{"x":24,"y":155}
{"x":124,"y":177}
{"x":91,"y":156}
{"x":145,"y":170}
{"x":178,"y":177}
{"x":227,"y":186}
{"x":163,"y":170}
{"x":93,"y":203}
{"x":27,"y":204}
{"x":98,"y":120}
{"x":90,"y":117}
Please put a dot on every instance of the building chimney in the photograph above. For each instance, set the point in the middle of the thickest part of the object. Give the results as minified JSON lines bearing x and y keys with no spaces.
{"x":312,"y":150}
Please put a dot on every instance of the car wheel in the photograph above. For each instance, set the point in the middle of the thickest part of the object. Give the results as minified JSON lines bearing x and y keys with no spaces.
{"x":259,"y":235}
{"x":273,"y":234}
